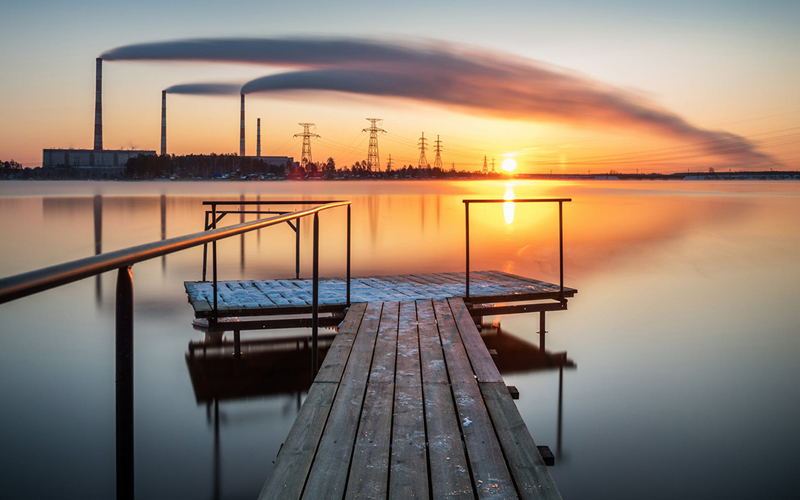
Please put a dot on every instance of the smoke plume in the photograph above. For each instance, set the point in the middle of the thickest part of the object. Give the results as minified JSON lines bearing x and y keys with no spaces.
{"x":454,"y":76}
{"x":204,"y":89}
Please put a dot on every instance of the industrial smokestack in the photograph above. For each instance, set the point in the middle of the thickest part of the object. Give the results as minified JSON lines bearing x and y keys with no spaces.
{"x":98,"y":108}
{"x":163,"y":122}
{"x":258,"y":137}
{"x":241,"y":131}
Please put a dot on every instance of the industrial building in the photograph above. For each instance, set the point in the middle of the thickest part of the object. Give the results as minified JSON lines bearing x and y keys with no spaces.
{"x":98,"y":160}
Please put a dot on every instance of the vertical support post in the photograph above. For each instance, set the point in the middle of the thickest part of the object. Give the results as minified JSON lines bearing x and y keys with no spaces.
{"x":124,"y":383}
{"x":561,"y":249}
{"x":205,"y":248}
{"x":348,"y":255}
{"x":214,"y":260}
{"x":315,"y":298}
{"x":542,"y":331}
{"x":297,"y":249}
{"x":237,"y":344}
{"x":466,"y":217}
{"x":560,"y":401}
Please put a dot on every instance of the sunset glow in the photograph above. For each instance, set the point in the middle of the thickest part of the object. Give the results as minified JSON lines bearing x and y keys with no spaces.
{"x":509,"y":164}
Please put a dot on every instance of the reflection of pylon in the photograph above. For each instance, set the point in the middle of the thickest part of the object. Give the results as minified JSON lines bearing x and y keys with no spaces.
{"x":423,"y":162}
{"x":485,"y":167}
{"x":306,"y":135}
{"x":437,"y":162}
{"x":373,"y":160}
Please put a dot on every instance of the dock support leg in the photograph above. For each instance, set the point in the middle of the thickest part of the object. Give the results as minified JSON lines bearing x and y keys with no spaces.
{"x":542,"y":331}
{"x":315,"y":299}
{"x":237,"y":344}
{"x":124,"y":383}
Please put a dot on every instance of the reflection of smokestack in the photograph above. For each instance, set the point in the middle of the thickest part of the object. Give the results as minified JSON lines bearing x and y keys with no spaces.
{"x":163,"y":122}
{"x":258,"y":137}
{"x":241,"y":131}
{"x":98,"y":108}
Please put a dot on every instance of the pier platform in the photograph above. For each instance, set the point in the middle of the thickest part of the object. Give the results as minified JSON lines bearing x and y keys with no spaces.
{"x":293,"y":296}
{"x":409,"y":404}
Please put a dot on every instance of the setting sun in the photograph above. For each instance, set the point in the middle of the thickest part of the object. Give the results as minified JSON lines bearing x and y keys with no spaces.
{"x":509,"y":164}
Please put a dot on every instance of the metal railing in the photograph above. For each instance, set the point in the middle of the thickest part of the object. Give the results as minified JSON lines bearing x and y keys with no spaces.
{"x":23,"y":285}
{"x":560,"y":202}
{"x":214,"y":216}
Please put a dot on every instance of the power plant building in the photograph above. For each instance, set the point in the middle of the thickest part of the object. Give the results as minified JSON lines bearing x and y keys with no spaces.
{"x":105,"y":161}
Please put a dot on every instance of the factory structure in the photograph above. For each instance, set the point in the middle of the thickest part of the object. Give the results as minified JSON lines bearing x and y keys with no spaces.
{"x":97,"y":160}
{"x":112,"y":161}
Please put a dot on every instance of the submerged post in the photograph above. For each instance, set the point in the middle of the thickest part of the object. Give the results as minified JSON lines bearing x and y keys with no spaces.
{"x":315,"y":298}
{"x":297,"y":249}
{"x":124,"y":383}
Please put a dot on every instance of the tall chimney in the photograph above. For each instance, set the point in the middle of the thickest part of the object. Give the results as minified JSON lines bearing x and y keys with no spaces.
{"x":98,"y":108}
{"x":241,"y":131}
{"x":258,"y":137}
{"x":163,"y":122}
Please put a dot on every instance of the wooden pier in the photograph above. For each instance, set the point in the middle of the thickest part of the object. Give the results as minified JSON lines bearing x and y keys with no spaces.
{"x":409,"y":404}
{"x":293,"y":296}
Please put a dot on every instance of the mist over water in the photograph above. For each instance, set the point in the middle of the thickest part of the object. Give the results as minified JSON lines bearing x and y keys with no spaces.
{"x":683,"y":331}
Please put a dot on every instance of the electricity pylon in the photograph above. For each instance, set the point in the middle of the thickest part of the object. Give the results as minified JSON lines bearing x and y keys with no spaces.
{"x":423,"y":143}
{"x":373,"y":159}
{"x":306,"y":135}
{"x":437,"y":162}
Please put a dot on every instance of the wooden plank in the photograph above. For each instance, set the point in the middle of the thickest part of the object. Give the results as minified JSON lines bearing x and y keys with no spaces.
{"x":482,"y":363}
{"x":531,"y":476}
{"x":449,"y":472}
{"x":369,"y":471}
{"x":409,"y":460}
{"x":328,"y":477}
{"x":288,"y":475}
{"x":336,"y":359}
{"x":489,"y":471}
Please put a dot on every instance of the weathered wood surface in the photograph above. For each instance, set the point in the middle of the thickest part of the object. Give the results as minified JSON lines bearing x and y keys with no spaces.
{"x":418,"y":411}
{"x":270,"y":297}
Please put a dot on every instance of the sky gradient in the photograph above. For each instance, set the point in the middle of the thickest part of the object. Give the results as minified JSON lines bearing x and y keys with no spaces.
{"x":720,"y":66}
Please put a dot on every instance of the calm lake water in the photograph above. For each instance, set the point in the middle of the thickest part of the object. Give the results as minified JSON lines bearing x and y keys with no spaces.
{"x":685,"y":331}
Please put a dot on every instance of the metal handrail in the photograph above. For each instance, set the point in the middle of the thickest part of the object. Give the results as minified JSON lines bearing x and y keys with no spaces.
{"x":560,"y":202}
{"x":22,"y":285}
{"x":25,"y":284}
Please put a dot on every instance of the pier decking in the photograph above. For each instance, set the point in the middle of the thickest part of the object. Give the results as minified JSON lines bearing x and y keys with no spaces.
{"x":409,"y":404}
{"x":291,"y":296}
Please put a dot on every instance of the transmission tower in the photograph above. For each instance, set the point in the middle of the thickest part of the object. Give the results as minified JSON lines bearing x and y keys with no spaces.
{"x":437,"y":162}
{"x":306,"y":135}
{"x":453,"y":167}
{"x":492,"y":164}
{"x":485,"y":167}
{"x":373,"y":159}
{"x":423,"y":143}
{"x":389,"y":164}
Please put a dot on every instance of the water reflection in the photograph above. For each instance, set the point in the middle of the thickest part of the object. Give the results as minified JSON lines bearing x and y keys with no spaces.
{"x":508,"y":207}
{"x":98,"y":245}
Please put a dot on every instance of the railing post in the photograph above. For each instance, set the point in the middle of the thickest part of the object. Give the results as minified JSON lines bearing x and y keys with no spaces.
{"x":315,"y":298}
{"x":205,"y":249}
{"x":466,"y":214}
{"x":214,"y":260}
{"x":561,"y":250}
{"x":297,"y":250}
{"x":348,"y":255}
{"x":124,"y":383}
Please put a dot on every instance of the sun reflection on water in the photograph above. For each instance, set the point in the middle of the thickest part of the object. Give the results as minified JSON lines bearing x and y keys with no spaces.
{"x":508,"y":207}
